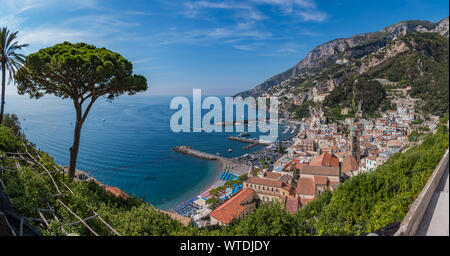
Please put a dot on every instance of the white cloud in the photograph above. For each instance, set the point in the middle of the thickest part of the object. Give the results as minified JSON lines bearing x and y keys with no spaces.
{"x":289,"y":5}
{"x":306,"y":9}
{"x":48,"y":36}
{"x":313,"y":16}
{"x":19,"y":6}
{"x":100,"y":21}
{"x":290,"y":48}
{"x":214,"y":35}
{"x":242,"y":10}
{"x":98,"y":29}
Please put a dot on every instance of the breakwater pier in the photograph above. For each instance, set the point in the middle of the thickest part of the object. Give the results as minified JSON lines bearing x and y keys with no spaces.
{"x":248,"y":140}
{"x":235,"y":165}
{"x":239,"y":122}
{"x":192,"y":152}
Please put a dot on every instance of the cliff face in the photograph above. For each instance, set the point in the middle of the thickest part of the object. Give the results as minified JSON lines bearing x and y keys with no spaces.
{"x":341,"y":50}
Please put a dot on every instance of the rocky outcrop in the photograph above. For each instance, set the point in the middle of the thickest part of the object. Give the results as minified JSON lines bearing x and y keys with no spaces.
{"x":402,"y":28}
{"x":344,"y":49}
{"x":388,"y":52}
{"x":442,"y":28}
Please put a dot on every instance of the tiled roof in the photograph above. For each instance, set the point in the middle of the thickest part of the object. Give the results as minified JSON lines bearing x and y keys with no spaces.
{"x":349,"y":164}
{"x":341,"y":154}
{"x":321,"y":180}
{"x":299,"y":166}
{"x":116,"y":191}
{"x":320,"y":170}
{"x":232,"y":208}
{"x":372,"y":158}
{"x":325,"y":159}
{"x":273,"y":175}
{"x":292,"y":204}
{"x":306,"y":186}
{"x":265,"y":182}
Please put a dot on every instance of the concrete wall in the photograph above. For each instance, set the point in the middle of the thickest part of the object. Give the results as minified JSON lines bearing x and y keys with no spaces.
{"x":413,"y":218}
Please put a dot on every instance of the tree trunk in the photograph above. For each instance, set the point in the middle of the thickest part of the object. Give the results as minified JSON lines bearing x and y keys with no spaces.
{"x":3,"y":92}
{"x":75,"y":145}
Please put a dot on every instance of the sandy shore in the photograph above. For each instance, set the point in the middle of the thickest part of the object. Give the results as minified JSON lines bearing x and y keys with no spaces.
{"x":237,"y":168}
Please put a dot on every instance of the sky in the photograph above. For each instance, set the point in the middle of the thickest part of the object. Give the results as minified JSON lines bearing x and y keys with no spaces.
{"x":222,"y":47}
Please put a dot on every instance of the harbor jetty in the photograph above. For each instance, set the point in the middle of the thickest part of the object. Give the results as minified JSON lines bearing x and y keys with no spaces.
{"x":237,"y":122}
{"x":237,"y":166}
{"x":247,"y":140}
{"x":192,"y":152}
{"x":250,"y":146}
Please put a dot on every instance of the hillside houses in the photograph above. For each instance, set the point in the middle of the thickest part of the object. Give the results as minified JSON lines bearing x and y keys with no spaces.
{"x":319,"y":158}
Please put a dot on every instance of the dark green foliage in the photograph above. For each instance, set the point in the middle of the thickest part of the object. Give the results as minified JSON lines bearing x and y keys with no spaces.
{"x":371,"y":201}
{"x":351,"y":92}
{"x":10,"y":60}
{"x":281,"y":149}
{"x":8,"y":141}
{"x":82,"y":73}
{"x":12,"y":121}
{"x":60,"y":69}
{"x":424,"y":67}
{"x":300,"y":111}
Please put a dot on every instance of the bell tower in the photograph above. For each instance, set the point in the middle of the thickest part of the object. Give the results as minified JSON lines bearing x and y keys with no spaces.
{"x":251,"y":171}
{"x":354,"y":144}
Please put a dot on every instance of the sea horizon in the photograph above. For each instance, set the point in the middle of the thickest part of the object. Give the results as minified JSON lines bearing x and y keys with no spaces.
{"x":127,"y":143}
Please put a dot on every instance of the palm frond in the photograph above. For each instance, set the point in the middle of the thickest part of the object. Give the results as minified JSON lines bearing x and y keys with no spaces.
{"x":9,"y":57}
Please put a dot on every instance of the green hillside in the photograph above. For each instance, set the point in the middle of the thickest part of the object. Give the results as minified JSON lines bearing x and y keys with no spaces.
{"x":424,"y":67}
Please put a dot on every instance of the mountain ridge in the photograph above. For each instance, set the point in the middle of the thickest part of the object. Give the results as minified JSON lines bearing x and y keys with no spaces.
{"x":360,"y":45}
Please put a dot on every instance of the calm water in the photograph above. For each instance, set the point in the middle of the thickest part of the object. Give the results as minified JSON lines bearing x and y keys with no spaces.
{"x":132,"y":133}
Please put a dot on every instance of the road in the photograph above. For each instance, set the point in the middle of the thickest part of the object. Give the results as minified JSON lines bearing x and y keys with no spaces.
{"x":435,"y":222}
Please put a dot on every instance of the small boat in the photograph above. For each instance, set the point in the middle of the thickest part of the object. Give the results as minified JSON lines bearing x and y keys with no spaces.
{"x":217,"y":153}
{"x":103,"y":119}
{"x":230,"y":150}
{"x":244,"y":134}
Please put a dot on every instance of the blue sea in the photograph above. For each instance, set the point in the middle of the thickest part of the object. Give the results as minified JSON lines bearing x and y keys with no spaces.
{"x":127,"y":143}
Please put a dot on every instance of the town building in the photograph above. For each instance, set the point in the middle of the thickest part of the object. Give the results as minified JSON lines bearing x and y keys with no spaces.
{"x":269,"y":186}
{"x":314,"y":180}
{"x":237,"y":207}
{"x":349,"y":167}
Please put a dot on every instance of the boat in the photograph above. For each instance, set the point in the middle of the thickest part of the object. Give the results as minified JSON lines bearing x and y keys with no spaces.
{"x":230,"y":150}
{"x":244,"y":134}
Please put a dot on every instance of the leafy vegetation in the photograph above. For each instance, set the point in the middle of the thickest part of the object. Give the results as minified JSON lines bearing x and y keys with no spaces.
{"x":10,"y":60}
{"x":218,"y":192}
{"x":82,"y":73}
{"x":424,"y":67}
{"x":353,"y":91}
{"x":300,"y":111}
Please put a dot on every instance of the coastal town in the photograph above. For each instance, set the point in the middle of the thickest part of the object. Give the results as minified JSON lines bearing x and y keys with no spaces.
{"x":306,"y":119}
{"x":296,"y":170}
